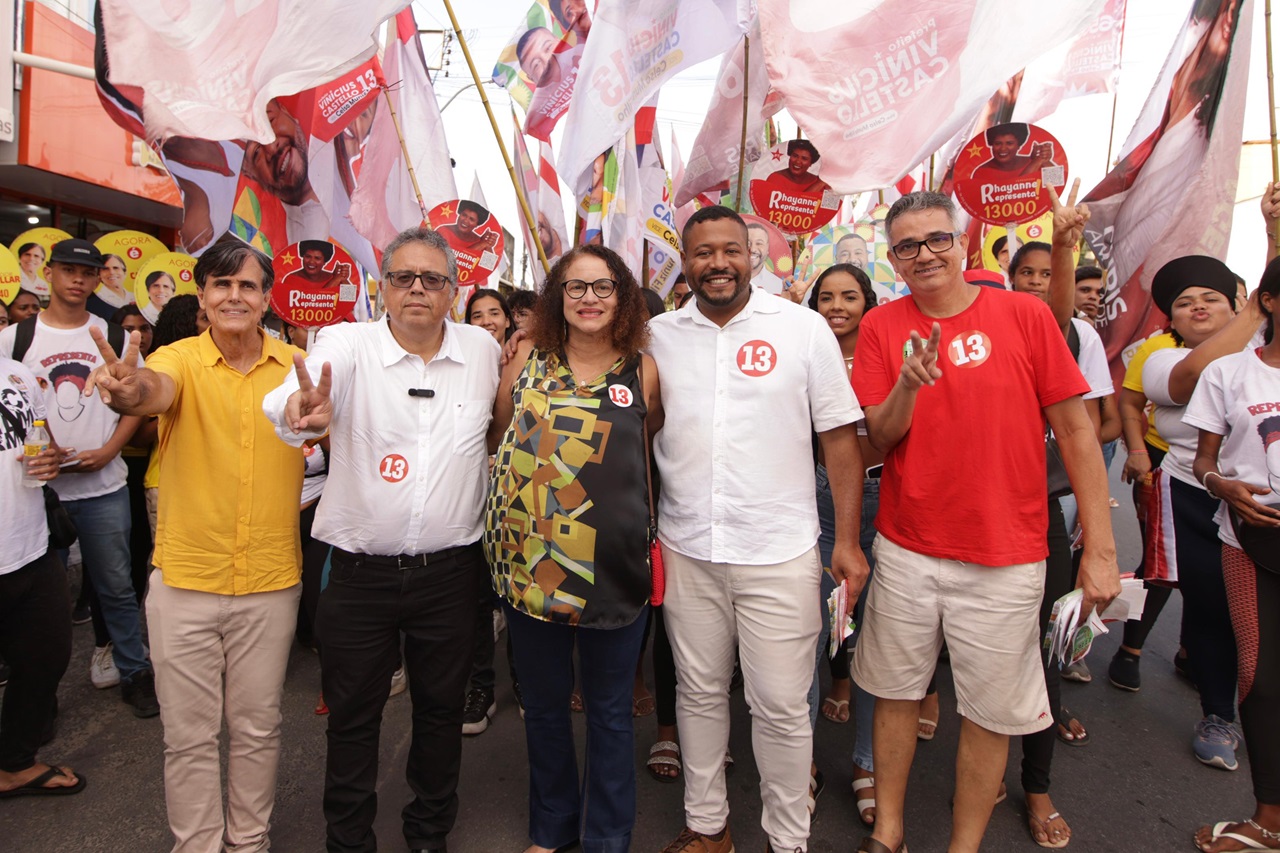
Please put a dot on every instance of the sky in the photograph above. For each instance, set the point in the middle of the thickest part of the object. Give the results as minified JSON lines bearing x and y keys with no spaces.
{"x":1080,"y":124}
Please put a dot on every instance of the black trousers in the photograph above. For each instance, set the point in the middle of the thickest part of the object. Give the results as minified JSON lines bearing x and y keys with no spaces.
{"x":314,"y":555}
{"x":364,"y":609}
{"x":35,"y":640}
{"x":1254,"y":595}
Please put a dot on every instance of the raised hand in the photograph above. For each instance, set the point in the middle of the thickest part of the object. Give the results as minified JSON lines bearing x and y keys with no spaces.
{"x":310,"y":407}
{"x":795,"y":287}
{"x":1271,"y":206}
{"x":920,"y":367}
{"x":116,"y":380}
{"x":1068,"y":219}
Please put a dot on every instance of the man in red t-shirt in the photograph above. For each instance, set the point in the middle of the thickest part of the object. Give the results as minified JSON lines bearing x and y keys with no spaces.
{"x":962,"y":528}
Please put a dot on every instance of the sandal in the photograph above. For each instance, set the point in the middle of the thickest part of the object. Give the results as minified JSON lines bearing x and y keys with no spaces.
{"x":836,"y":710}
{"x":655,"y":760}
{"x":575,"y":702}
{"x":870,"y":845}
{"x":1036,"y":825}
{"x":865,"y":804}
{"x":37,"y":787}
{"x":321,"y":708}
{"x":932,"y":725}
{"x":1219,"y":832}
{"x":642,"y":706}
{"x":1063,"y":723}
{"x":817,"y":784}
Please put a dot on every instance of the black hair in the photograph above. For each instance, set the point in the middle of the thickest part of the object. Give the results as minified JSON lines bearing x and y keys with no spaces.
{"x":998,"y":246}
{"x":654,"y":302}
{"x":465,"y":205}
{"x":488,"y":293}
{"x":804,"y":145}
{"x":156,"y":275}
{"x":1026,"y":249}
{"x":522,"y":300}
{"x":27,"y":247}
{"x":1018,"y":130}
{"x":713,"y":213}
{"x":19,"y":295}
{"x":324,"y":247}
{"x":1086,"y":273}
{"x":176,"y":321}
{"x":225,"y":258}
{"x":126,"y":311}
{"x":859,"y":275}
{"x":1270,"y":285}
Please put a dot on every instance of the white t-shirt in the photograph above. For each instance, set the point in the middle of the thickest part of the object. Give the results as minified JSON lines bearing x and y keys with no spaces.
{"x":24,"y":536}
{"x":1093,"y":361}
{"x":1167,"y":415}
{"x":314,"y":474}
{"x":62,"y":360}
{"x":1238,"y":397}
{"x":768,"y":282}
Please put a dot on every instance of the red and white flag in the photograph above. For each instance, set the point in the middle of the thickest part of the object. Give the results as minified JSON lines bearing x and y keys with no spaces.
{"x":634,"y":48}
{"x":1086,"y":66}
{"x":208,"y":70}
{"x":879,"y":85}
{"x":1173,"y":190}
{"x":541,"y":189}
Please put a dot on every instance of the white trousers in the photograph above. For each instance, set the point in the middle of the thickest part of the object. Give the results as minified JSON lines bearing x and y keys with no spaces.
{"x":771,"y":614}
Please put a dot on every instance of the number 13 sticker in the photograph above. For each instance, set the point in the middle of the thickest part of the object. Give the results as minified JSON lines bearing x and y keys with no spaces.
{"x":969,"y":349}
{"x":757,"y":358}
{"x":393,"y":468}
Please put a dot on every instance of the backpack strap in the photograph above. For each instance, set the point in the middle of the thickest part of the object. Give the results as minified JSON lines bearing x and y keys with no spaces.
{"x":25,"y":335}
{"x":1073,"y":340}
{"x":117,"y":338}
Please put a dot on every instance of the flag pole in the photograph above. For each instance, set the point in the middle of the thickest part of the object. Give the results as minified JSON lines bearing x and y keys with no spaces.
{"x":932,"y":158}
{"x":1271,"y":113}
{"x":497,"y":135}
{"x":742,"y":146}
{"x":404,"y":149}
{"x":1115,"y":88}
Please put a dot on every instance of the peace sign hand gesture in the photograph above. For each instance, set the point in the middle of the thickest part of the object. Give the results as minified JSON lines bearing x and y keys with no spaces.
{"x":117,"y":380}
{"x":920,"y":367}
{"x":797,"y":286}
{"x":1068,"y":219}
{"x":310,"y":407}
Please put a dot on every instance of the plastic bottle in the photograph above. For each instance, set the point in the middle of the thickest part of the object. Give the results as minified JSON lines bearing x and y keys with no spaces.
{"x":36,"y":442}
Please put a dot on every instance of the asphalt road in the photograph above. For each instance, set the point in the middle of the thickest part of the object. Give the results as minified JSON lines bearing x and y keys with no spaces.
{"x":1135,"y":787}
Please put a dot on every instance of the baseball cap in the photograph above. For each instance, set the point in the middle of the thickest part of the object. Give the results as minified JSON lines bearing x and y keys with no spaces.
{"x":80,"y":252}
{"x":986,"y":278}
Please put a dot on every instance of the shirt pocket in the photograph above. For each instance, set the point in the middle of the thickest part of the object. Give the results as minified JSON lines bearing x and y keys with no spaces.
{"x":470,"y":423}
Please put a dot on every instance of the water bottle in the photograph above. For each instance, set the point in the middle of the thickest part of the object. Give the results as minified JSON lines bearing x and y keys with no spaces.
{"x":36,"y":442}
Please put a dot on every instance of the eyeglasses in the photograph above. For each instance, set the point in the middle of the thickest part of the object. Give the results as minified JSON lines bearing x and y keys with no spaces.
{"x":577,"y":288}
{"x":938,"y":243}
{"x":404,"y":280}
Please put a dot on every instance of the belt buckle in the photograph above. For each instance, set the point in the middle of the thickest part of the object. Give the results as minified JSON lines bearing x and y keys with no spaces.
{"x":414,"y":562}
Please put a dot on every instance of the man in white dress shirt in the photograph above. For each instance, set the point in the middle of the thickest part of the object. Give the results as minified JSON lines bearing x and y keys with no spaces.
{"x":746,"y":378}
{"x":406,"y":402}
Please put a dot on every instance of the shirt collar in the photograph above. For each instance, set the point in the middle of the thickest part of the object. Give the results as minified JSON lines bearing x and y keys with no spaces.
{"x":392,"y":352}
{"x":760,"y":301}
{"x":271,"y":349}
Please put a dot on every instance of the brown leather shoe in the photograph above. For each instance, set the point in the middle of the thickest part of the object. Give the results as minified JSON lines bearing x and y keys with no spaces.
{"x":689,"y":841}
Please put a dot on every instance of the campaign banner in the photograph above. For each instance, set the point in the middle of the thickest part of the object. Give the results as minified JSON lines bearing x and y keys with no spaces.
{"x":996,"y":249}
{"x":126,"y":252}
{"x":792,"y":196}
{"x":10,"y":276}
{"x":209,"y":70}
{"x":31,"y":248}
{"x":880,"y":85}
{"x":634,"y":48}
{"x":316,"y":284}
{"x":165,"y":276}
{"x":1173,"y":191}
{"x":770,"y":254}
{"x":1003,"y":174}
{"x":1087,"y":66}
{"x":539,"y":66}
{"x":474,"y":235}
{"x":863,"y":244}
{"x":659,"y":231}
{"x":538,"y":184}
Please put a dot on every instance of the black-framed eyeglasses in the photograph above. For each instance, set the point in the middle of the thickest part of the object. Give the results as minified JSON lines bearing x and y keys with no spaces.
{"x":938,"y":243}
{"x":404,"y":279}
{"x":603,"y":287}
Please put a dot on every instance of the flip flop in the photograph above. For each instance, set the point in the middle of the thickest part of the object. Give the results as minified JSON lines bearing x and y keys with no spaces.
{"x":870,"y":845}
{"x":835,"y":710}
{"x":864,"y":803}
{"x":1219,"y":831}
{"x":36,"y":787}
{"x":656,"y":760}
{"x":1064,"y":729}
{"x":920,"y":735}
{"x":642,"y":706}
{"x":1034,"y":823}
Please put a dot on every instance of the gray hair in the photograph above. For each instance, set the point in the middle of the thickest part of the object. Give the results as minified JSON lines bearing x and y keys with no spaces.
{"x":921,"y":201}
{"x":428,"y":238}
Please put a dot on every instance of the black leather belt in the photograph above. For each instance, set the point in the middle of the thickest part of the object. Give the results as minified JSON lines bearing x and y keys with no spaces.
{"x":406,"y":561}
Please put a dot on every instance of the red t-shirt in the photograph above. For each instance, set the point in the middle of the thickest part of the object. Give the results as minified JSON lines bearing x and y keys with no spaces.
{"x":968,"y":481}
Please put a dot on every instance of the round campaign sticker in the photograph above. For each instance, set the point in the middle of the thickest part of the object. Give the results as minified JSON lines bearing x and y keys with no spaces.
{"x":474,"y":235}
{"x":393,"y":468}
{"x":757,"y":358}
{"x":1001,"y":174}
{"x":997,"y":250}
{"x":969,"y":349}
{"x":31,"y":248}
{"x":621,"y":396}
{"x":126,"y":252}
{"x":770,"y":253}
{"x":10,"y":276}
{"x":164,"y":276}
{"x":316,"y":284}
{"x":792,"y":197}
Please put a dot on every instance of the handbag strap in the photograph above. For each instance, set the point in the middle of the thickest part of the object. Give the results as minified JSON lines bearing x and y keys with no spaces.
{"x":648,"y":466}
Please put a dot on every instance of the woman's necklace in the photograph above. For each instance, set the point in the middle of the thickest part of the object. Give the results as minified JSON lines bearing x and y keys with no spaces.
{"x":585,"y":373}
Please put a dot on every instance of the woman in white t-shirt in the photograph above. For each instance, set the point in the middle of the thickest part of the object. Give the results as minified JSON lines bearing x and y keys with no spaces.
{"x":1236,"y":408}
{"x":1198,"y":295}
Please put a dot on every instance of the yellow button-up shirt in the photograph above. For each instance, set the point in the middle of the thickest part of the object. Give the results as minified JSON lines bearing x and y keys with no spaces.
{"x":229,"y":489}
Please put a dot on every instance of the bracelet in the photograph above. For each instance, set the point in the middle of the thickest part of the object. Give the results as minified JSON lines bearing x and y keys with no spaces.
{"x":1139,"y":453}
{"x":1204,"y":481}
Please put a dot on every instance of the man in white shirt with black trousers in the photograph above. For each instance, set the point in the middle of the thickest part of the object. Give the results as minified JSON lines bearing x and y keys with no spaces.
{"x":746,"y":377}
{"x":406,"y":402}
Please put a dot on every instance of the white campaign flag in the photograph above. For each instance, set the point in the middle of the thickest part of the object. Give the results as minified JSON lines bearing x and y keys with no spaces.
{"x":634,"y":48}
{"x":658,"y":219}
{"x":207,"y":69}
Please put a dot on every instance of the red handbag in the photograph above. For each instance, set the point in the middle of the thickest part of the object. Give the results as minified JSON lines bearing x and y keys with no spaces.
{"x":658,"y":580}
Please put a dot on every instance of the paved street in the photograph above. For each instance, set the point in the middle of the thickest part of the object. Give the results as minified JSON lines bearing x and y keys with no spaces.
{"x":1135,"y":787}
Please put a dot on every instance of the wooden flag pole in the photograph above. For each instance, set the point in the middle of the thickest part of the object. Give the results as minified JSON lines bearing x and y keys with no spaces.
{"x":497,"y":135}
{"x":644,"y":264}
{"x":742,"y":146}
{"x":1271,"y":113}
{"x":404,"y":149}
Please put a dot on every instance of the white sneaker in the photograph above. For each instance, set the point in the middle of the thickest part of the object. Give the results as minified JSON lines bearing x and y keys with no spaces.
{"x":102,"y":669}
{"x":399,"y":682}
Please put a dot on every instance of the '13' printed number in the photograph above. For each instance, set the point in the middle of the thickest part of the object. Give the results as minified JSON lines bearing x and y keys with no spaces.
{"x":756,"y":358}
{"x":969,"y":349}
{"x":393,"y":468}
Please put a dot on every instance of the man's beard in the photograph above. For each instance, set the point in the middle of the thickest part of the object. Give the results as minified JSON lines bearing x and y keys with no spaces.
{"x":293,"y":192}
{"x":739,"y":288}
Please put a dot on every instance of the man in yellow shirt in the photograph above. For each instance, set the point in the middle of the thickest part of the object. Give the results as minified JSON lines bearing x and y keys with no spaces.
{"x":223,"y":599}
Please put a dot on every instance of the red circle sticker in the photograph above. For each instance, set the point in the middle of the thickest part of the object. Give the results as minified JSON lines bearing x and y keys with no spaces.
{"x":1001,"y":175}
{"x":791,"y":195}
{"x":393,"y":468}
{"x":134,"y":252}
{"x":474,"y":235}
{"x":969,"y":349}
{"x":621,"y":395}
{"x":757,"y":358}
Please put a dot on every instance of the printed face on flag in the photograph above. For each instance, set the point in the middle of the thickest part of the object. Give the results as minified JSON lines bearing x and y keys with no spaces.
{"x":474,"y":235}
{"x":280,"y":166}
{"x":792,"y":196}
{"x":539,"y":66}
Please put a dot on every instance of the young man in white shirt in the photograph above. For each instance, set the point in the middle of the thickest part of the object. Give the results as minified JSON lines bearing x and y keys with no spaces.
{"x":746,"y":379}
{"x":406,"y":403}
{"x":62,"y":354}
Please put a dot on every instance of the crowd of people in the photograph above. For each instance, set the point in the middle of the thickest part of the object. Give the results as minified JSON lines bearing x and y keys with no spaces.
{"x":573,"y":465}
